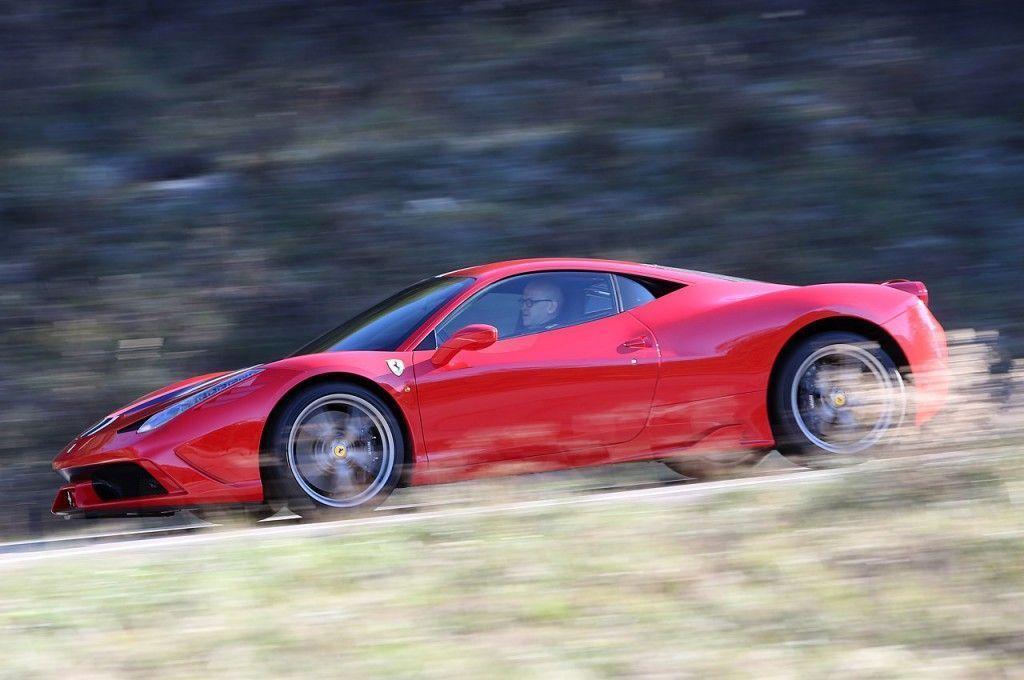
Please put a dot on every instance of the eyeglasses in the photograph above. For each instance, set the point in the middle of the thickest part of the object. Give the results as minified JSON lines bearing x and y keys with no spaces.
{"x":528,"y":303}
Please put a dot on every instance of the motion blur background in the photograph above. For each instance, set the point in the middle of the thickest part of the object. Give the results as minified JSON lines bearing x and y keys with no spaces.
{"x":198,"y":185}
{"x":193,"y":186}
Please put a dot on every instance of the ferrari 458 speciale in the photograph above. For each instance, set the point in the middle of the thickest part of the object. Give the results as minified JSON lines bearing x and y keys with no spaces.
{"x":524,"y":366}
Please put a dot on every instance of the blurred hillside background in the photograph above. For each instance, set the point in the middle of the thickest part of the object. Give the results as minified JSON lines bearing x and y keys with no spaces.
{"x":200,"y":185}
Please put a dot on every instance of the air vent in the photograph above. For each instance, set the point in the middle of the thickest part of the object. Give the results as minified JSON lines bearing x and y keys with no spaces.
{"x":117,"y":481}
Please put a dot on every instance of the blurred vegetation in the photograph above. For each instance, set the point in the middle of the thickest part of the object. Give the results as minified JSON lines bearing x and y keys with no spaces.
{"x":203,"y":184}
{"x":921,"y":577}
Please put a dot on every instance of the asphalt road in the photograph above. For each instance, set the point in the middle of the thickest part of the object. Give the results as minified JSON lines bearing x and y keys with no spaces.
{"x":773,"y":473}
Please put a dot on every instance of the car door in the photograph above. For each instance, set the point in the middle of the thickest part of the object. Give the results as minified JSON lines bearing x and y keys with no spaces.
{"x":582,"y":379}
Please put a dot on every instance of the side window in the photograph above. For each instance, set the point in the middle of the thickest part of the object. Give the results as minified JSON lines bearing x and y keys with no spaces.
{"x":633,"y":292}
{"x":532,"y":303}
{"x":496,"y":306}
{"x":599,"y":299}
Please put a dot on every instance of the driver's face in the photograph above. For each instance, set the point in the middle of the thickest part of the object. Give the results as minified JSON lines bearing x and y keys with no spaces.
{"x":538,"y":305}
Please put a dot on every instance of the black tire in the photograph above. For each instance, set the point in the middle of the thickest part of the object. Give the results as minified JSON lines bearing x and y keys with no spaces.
{"x":800,"y":431}
{"x":284,"y":481}
{"x":713,"y":465}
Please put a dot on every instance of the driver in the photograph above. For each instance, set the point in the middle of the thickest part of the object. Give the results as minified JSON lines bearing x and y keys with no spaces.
{"x":540,"y":304}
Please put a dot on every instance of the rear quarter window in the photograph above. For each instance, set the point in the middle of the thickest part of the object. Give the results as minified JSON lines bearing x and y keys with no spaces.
{"x":637,"y":291}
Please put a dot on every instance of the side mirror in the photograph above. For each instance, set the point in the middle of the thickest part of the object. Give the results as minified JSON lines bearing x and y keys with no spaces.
{"x":475,"y":336}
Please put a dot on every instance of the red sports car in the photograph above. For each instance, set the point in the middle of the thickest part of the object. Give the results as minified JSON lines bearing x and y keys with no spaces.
{"x":526,"y":365}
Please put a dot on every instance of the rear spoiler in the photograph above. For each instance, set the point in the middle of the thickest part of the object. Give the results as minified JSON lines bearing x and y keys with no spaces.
{"x":915,"y":288}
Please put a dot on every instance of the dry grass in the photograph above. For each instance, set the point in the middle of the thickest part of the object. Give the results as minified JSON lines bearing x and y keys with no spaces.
{"x":907,"y":570}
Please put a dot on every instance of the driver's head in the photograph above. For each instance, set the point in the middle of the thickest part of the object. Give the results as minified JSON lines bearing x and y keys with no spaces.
{"x":540,"y":303}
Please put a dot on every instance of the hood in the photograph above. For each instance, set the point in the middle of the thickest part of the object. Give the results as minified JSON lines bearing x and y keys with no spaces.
{"x":149,"y":404}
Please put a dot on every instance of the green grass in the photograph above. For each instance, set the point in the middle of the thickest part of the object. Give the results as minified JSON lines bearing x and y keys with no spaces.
{"x":909,"y":569}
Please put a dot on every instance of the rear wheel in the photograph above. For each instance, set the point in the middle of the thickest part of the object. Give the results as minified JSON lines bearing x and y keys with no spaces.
{"x":337,"y":448}
{"x":837,"y":399}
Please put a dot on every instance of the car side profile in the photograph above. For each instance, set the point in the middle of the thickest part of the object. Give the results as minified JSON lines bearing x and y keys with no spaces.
{"x":526,"y":365}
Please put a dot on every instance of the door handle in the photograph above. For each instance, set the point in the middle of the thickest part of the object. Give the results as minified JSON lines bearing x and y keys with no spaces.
{"x":636,"y":343}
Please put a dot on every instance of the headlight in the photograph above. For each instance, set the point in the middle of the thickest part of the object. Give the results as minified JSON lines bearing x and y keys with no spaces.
{"x":221,"y":384}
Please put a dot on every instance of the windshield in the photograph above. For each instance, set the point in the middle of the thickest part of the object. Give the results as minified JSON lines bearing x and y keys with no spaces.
{"x":384,"y":326}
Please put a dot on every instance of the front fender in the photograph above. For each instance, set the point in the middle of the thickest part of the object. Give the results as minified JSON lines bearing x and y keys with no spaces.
{"x":389,"y":372}
{"x":219,"y":440}
{"x":228,"y":449}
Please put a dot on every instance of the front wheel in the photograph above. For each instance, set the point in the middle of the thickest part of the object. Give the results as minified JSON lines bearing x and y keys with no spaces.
{"x":337,"y":448}
{"x":838,"y":397}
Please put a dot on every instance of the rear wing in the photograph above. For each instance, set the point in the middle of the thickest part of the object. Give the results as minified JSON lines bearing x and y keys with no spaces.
{"x":916,"y":288}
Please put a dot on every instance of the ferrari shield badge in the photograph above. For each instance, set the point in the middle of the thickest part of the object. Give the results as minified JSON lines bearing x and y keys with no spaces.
{"x":396,"y":366}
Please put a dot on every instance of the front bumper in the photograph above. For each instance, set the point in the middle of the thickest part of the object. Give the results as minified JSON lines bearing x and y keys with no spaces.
{"x":113,"y":489}
{"x":141,"y":488}
{"x":208,"y":456}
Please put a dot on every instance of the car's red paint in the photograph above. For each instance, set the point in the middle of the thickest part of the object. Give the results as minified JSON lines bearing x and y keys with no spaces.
{"x":535,"y":395}
{"x":689,"y":371}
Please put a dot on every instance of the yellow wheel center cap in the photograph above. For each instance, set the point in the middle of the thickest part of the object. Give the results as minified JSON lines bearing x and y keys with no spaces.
{"x":340,"y":451}
{"x":839,"y":399}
